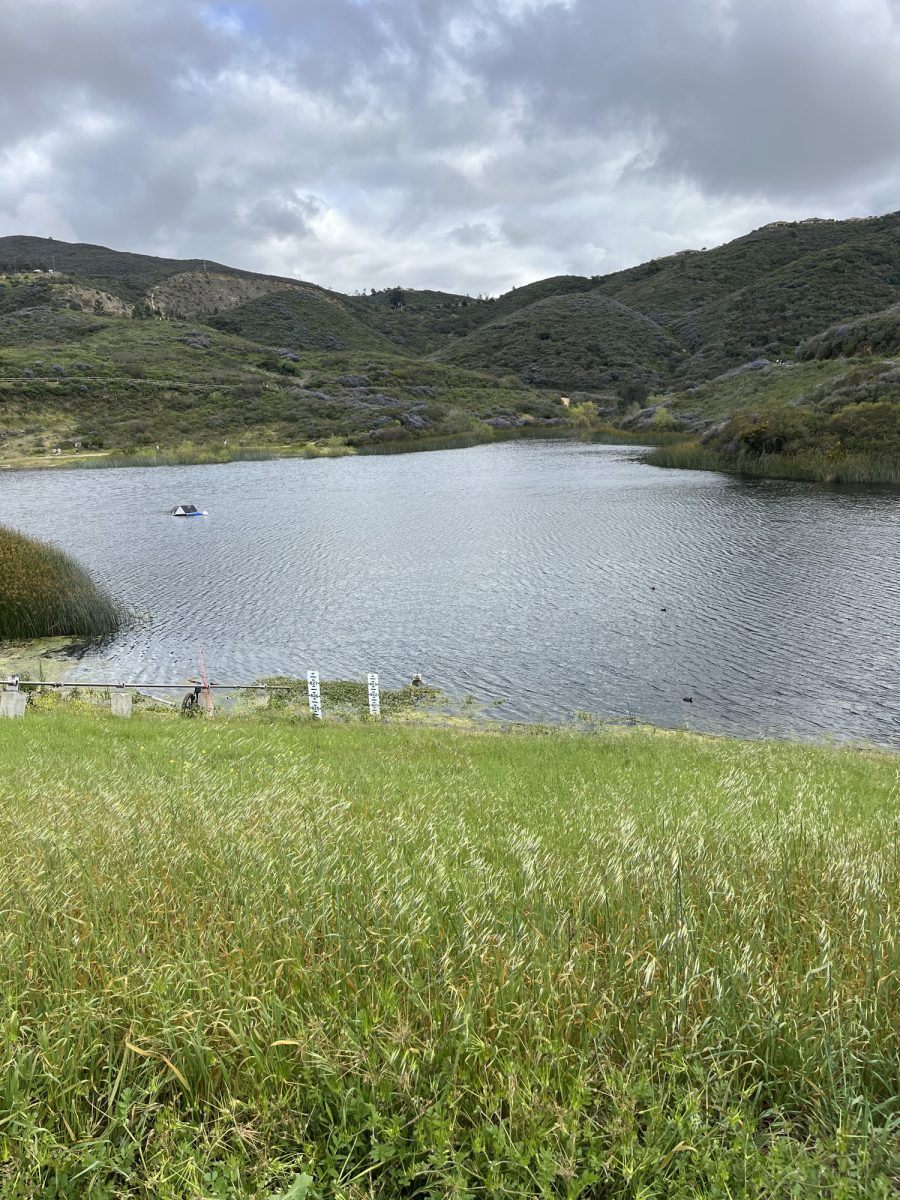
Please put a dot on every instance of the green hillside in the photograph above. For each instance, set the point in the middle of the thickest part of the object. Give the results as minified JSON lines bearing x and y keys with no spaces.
{"x":835,"y":419}
{"x":670,"y":287}
{"x":580,"y":342}
{"x":784,"y":294}
{"x":419,"y":322}
{"x":422,"y":322}
{"x":125,"y":274}
{"x":771,"y":316}
{"x":74,"y":380}
{"x":873,"y":333}
{"x":300,"y":319}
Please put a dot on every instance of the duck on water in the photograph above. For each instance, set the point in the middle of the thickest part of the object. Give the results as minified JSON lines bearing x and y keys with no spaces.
{"x":187,"y":510}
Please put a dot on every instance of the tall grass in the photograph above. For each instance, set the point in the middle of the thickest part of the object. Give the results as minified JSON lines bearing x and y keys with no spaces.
{"x":45,"y":593}
{"x":249,"y":959}
{"x":607,"y":435}
{"x":611,"y":435}
{"x":813,"y":465}
{"x":463,"y":441}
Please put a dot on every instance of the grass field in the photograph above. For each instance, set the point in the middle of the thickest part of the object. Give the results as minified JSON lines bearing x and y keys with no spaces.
{"x":277,"y":958}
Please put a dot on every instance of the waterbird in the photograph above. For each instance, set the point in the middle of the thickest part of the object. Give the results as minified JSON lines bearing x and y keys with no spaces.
{"x":688,"y":699}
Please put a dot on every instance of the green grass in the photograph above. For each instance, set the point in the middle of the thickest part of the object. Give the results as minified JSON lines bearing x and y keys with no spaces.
{"x":274,"y":958}
{"x":609,"y":435}
{"x":45,"y":593}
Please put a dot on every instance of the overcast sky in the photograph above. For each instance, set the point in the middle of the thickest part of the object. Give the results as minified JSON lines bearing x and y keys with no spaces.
{"x":462,"y":144}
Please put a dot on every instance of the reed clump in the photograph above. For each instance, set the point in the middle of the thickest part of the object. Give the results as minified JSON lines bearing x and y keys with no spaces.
{"x":311,"y":960}
{"x":45,"y":593}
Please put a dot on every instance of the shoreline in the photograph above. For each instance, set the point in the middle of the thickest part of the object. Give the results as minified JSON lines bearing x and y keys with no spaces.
{"x":812,"y":467}
{"x":346,"y":703}
{"x":667,"y":451}
{"x":198,"y":456}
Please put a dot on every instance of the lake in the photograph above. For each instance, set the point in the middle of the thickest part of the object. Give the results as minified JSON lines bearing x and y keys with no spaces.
{"x":555,"y":576}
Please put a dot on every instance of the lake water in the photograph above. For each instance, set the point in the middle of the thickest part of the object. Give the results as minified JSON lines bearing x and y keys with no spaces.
{"x":556,"y":576}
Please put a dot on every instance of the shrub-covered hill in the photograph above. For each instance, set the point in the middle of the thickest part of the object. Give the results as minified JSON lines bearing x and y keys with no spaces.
{"x":771,"y":316}
{"x":300,"y":319}
{"x":120,"y":272}
{"x":874,"y":333}
{"x":831,"y":419}
{"x":419,"y":322}
{"x":218,"y":350}
{"x":422,"y":322}
{"x":668,"y":288}
{"x":584,"y":341}
{"x":124,"y":384}
{"x":760,"y":293}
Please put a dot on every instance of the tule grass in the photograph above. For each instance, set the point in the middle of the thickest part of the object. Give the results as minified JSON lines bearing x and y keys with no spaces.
{"x":812,"y":465}
{"x":276,"y":959}
{"x":45,"y":593}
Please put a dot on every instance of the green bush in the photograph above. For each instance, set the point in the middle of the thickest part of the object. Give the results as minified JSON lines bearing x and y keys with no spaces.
{"x":868,"y":428}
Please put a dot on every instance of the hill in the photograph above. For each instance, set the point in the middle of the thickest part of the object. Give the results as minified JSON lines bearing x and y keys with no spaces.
{"x":668,"y":288}
{"x":774,"y":314}
{"x":299,"y":319}
{"x":786,"y":293}
{"x":874,"y":333}
{"x":583,"y":342}
{"x":81,"y":380}
{"x":121,"y":272}
{"x":823,"y":419}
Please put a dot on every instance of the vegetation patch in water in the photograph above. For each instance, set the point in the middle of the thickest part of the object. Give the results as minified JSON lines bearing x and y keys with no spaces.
{"x":812,"y":465}
{"x":45,"y":593}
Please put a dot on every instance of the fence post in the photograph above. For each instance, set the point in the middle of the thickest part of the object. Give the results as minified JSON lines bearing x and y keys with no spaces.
{"x":315,"y":694}
{"x":121,"y":702}
{"x":12,"y":701}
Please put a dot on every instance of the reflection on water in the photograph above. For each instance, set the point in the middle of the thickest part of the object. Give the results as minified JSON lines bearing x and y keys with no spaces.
{"x":558,"y":576}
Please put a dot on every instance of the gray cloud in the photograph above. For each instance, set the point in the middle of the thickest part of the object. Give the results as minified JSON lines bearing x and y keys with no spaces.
{"x":467,"y":144}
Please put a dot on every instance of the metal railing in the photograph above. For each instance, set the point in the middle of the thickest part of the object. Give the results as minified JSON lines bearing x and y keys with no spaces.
{"x":121,"y":700}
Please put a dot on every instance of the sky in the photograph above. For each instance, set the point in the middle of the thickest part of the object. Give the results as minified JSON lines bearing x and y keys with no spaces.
{"x":466,"y":145}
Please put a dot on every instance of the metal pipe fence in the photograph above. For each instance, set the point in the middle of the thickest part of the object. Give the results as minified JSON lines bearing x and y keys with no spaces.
{"x":13,"y":698}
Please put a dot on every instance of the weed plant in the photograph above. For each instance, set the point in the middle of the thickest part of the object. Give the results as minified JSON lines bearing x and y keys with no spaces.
{"x":291,"y":958}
